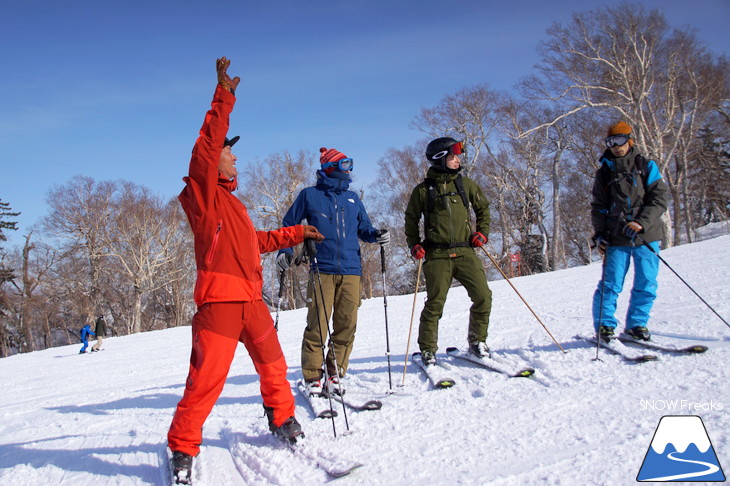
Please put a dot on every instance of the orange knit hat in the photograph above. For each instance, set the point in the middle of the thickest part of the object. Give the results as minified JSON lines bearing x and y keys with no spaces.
{"x":621,"y":128}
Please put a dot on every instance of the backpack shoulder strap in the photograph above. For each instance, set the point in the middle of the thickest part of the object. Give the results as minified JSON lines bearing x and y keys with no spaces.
{"x":431,"y":194}
{"x":642,"y":167}
{"x":460,"y":189}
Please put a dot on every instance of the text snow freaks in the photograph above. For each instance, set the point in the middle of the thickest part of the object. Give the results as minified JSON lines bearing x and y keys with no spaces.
{"x":680,"y":406}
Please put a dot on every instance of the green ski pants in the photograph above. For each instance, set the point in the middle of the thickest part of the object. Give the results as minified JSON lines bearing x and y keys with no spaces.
{"x":439,"y":272}
{"x":341,"y":292}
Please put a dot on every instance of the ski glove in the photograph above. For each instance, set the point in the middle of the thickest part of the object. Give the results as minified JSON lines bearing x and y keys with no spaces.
{"x":221,"y":65}
{"x":283,"y":261}
{"x":478,"y":239}
{"x":311,"y":232}
{"x":382,"y":237}
{"x":417,"y":251}
{"x":601,"y":243}
{"x":632,"y":229}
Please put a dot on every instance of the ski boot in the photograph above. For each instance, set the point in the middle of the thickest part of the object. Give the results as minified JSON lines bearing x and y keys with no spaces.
{"x":289,"y":431}
{"x":334,"y":386}
{"x":479,"y":349}
{"x":428,"y":358}
{"x":640,"y":333}
{"x":181,"y":466}
{"x":605,"y":333}
{"x":313,"y":387}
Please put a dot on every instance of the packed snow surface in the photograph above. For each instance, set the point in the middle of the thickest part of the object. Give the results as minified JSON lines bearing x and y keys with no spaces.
{"x":102,"y":418}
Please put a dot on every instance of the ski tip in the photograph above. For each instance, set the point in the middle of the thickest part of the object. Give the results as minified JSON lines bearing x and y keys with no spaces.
{"x":339,"y":473}
{"x":446,"y":383}
{"x":526,"y":373}
{"x":327,"y":414}
{"x":452,"y":349}
{"x":696,"y":349}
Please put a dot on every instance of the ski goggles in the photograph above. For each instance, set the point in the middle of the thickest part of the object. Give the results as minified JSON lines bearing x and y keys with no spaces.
{"x":344,"y":165}
{"x":456,"y":149}
{"x":616,"y":140}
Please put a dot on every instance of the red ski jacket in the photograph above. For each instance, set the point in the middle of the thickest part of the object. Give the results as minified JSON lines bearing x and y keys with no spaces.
{"x":227,"y":246}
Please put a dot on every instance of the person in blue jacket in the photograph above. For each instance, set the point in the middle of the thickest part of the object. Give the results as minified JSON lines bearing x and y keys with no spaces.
{"x":84,"y":334}
{"x":340,"y":216}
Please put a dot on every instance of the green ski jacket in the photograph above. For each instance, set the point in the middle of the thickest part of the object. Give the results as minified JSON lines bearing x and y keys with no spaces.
{"x":448,"y":226}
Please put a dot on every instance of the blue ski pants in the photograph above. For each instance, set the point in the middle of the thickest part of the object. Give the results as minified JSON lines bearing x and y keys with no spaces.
{"x":643,"y":292}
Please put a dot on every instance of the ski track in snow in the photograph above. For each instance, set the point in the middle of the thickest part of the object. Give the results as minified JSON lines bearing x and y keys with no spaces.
{"x":102,"y":418}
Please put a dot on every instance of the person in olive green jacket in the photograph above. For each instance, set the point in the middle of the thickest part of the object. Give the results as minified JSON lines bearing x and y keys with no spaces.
{"x":444,"y":199}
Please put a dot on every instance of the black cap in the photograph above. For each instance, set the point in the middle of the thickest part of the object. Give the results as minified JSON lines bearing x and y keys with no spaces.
{"x":231,"y":142}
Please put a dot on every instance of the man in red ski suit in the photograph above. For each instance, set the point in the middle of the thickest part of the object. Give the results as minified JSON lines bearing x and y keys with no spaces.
{"x":228,"y":287}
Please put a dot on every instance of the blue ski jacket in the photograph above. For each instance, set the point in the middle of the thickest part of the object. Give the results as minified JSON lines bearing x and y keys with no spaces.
{"x":340,"y":216}
{"x":85,"y":332}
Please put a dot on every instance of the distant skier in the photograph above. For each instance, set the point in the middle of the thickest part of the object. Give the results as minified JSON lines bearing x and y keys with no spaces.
{"x":100,"y":331}
{"x":444,"y":199}
{"x":341,"y":217}
{"x":84,"y":335}
{"x":228,"y":289}
{"x":629,"y":198}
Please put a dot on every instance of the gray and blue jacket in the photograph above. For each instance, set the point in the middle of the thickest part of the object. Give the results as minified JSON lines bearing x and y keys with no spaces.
{"x":628,"y":188}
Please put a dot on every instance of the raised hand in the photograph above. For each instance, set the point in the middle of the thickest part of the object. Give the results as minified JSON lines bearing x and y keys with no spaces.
{"x":221,"y":65}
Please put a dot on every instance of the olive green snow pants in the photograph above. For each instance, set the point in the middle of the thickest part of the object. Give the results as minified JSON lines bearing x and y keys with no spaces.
{"x":343,"y":293}
{"x":439,"y":272}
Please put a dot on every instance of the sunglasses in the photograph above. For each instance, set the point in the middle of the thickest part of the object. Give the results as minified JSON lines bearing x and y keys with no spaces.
{"x":456,"y":149}
{"x":344,"y":165}
{"x":616,"y":140}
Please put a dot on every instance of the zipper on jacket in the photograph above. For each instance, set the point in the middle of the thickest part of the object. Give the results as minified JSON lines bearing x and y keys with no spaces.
{"x":214,"y":244}
{"x":339,"y":236}
{"x":451,"y":216}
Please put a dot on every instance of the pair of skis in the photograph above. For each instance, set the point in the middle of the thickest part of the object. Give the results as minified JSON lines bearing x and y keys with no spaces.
{"x":439,"y":378}
{"x":634,"y":350}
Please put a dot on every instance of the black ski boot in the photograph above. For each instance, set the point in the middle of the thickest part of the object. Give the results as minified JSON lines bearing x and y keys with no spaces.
{"x":428,"y":358}
{"x":605,"y":333}
{"x":479,"y":349}
{"x":640,"y":333}
{"x":181,"y":465}
{"x":289,"y":431}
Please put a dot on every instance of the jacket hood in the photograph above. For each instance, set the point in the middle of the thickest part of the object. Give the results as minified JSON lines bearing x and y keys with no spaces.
{"x":328,"y":183}
{"x":441,"y":176}
{"x":614,"y":161}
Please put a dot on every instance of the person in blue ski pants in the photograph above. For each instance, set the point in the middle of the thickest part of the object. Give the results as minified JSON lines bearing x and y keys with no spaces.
{"x":628,"y":199}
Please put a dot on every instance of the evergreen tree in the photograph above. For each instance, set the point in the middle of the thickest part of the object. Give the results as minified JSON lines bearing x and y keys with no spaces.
{"x":6,"y":274}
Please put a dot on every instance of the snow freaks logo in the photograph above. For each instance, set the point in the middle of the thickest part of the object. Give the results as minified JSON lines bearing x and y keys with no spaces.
{"x":681,"y":451}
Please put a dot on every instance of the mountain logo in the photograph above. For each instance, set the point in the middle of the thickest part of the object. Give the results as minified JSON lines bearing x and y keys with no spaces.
{"x":681,"y":451}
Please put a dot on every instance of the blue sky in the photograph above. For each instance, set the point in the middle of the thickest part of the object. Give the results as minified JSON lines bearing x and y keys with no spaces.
{"x":118,"y":90}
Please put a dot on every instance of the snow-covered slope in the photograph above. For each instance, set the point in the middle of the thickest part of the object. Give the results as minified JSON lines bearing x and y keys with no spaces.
{"x":102,"y":418}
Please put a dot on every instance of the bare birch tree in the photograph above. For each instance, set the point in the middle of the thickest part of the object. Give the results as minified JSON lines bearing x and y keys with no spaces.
{"x":624,"y":62}
{"x":80,"y":212}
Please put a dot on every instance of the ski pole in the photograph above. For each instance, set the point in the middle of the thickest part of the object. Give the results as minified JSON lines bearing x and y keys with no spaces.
{"x":278,"y":301}
{"x":600,"y":309}
{"x":306,"y":254}
{"x":385,"y":308}
{"x":313,"y":254}
{"x":410,"y":327}
{"x":643,"y":242}
{"x":523,"y":300}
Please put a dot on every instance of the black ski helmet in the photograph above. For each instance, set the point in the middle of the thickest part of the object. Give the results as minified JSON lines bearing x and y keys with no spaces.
{"x":439,"y":148}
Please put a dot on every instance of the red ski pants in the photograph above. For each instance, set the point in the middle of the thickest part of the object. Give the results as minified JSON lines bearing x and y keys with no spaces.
{"x":217,"y":329}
